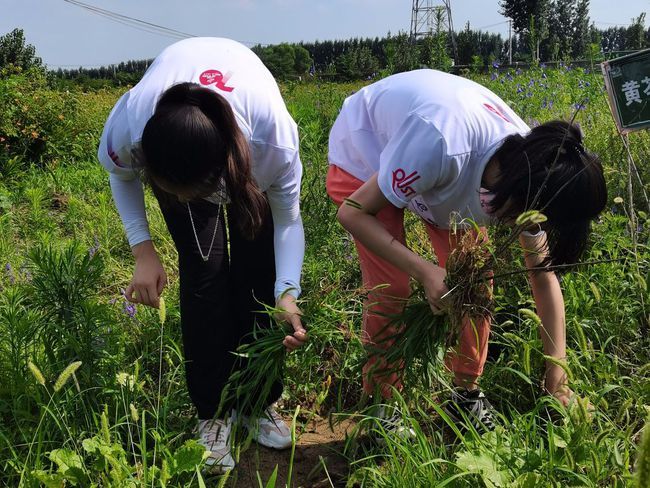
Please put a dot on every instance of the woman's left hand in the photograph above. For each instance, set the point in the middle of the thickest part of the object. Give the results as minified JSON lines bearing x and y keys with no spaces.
{"x":291,"y":313}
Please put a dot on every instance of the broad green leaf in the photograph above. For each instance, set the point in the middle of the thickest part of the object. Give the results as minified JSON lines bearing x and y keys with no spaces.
{"x":528,"y":480}
{"x":55,"y":480}
{"x":484,"y":465}
{"x":69,"y":464}
{"x":188,"y":456}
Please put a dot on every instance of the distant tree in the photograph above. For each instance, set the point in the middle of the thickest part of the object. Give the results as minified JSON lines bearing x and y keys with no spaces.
{"x":635,"y":35}
{"x":302,"y":60}
{"x":357,"y":63}
{"x":284,"y":60}
{"x":529,"y":19}
{"x":561,"y":24}
{"x":434,"y":51}
{"x":580,"y":27}
{"x":15,"y":51}
{"x":401,"y":53}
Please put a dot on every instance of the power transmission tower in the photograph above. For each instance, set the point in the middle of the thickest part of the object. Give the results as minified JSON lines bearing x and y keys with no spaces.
{"x":430,"y":17}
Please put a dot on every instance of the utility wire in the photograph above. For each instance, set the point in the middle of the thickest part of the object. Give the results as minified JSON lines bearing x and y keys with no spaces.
{"x":142,"y":25}
{"x":132,"y":21}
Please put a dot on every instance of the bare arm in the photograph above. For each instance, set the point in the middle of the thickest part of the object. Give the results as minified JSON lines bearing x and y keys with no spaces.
{"x":361,"y":221}
{"x":550,"y":308}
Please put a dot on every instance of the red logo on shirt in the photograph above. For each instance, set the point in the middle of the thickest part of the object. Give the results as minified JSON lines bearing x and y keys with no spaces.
{"x":403,"y":182}
{"x":496,"y":111}
{"x":216,"y":78}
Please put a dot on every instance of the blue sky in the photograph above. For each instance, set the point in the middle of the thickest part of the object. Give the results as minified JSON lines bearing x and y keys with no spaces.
{"x":68,"y":36}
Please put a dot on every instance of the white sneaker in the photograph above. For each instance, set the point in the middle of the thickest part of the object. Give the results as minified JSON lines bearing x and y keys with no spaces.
{"x":270,"y":430}
{"x":214,"y":435}
{"x":391,"y":422}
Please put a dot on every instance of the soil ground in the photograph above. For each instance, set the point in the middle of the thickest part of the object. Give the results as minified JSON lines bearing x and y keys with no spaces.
{"x":320,"y":444}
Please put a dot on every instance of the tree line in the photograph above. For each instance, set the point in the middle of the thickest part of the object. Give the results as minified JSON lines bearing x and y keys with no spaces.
{"x":543,"y":30}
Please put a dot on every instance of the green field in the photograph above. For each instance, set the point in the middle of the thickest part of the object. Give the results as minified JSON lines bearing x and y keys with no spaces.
{"x":124,"y":419}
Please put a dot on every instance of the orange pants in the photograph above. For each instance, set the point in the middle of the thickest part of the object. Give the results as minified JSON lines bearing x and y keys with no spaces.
{"x":468,"y":359}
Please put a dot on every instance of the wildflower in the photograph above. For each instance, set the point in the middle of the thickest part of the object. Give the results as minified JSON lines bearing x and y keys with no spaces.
{"x":95,"y":247}
{"x":495,"y":64}
{"x":579,"y":106}
{"x":543,"y":65}
{"x":494,"y":76}
{"x":531,"y":83}
{"x":518,"y":71}
{"x":519,"y":88}
{"x":65,"y":375}
{"x":129,"y":308}
{"x":10,"y":273}
{"x":509,"y":76}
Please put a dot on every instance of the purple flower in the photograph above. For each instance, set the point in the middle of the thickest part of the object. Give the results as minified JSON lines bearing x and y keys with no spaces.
{"x":495,"y":64}
{"x":509,"y":76}
{"x":129,"y":308}
{"x":95,"y":247}
{"x":579,"y":106}
{"x":494,"y":76}
{"x":519,"y":88}
{"x":531,"y":83}
{"x":10,"y":273}
{"x":529,"y":94}
{"x":543,"y":65}
{"x":518,"y":71}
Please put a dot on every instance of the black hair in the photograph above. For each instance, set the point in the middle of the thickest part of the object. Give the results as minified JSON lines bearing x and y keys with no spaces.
{"x":550,"y":170}
{"x":192,"y":144}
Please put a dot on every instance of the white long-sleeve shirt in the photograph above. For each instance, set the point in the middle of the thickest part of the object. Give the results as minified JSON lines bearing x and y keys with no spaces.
{"x":237,"y":74}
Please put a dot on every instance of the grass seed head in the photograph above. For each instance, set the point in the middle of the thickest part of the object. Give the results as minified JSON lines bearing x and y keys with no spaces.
{"x":66,"y":374}
{"x":40,"y":379}
{"x":162,"y":311}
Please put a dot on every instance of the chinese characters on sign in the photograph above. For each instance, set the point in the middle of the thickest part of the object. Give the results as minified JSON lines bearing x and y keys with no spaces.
{"x":627,"y":80}
{"x":631,"y":90}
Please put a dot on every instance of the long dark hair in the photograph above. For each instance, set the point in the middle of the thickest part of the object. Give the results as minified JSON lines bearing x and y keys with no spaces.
{"x":550,"y":170}
{"x":192,"y":142}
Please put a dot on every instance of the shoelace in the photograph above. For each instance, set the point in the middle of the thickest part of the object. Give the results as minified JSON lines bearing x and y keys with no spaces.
{"x":479,"y":408}
{"x":212,"y":435}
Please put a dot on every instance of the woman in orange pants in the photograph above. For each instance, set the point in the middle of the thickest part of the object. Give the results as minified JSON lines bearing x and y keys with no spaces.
{"x":442,"y":145}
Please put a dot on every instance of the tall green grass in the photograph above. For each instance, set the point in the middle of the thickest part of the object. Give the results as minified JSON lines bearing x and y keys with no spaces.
{"x":60,"y":305}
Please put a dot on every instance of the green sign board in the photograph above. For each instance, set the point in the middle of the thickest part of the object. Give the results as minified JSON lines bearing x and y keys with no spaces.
{"x":627,"y":80}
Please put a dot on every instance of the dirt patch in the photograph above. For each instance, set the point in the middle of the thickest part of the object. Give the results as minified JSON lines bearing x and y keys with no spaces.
{"x":317,"y":460}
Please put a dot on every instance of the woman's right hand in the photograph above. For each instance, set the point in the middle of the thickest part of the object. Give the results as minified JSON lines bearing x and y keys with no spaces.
{"x":432,"y":278}
{"x":149,"y":277}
